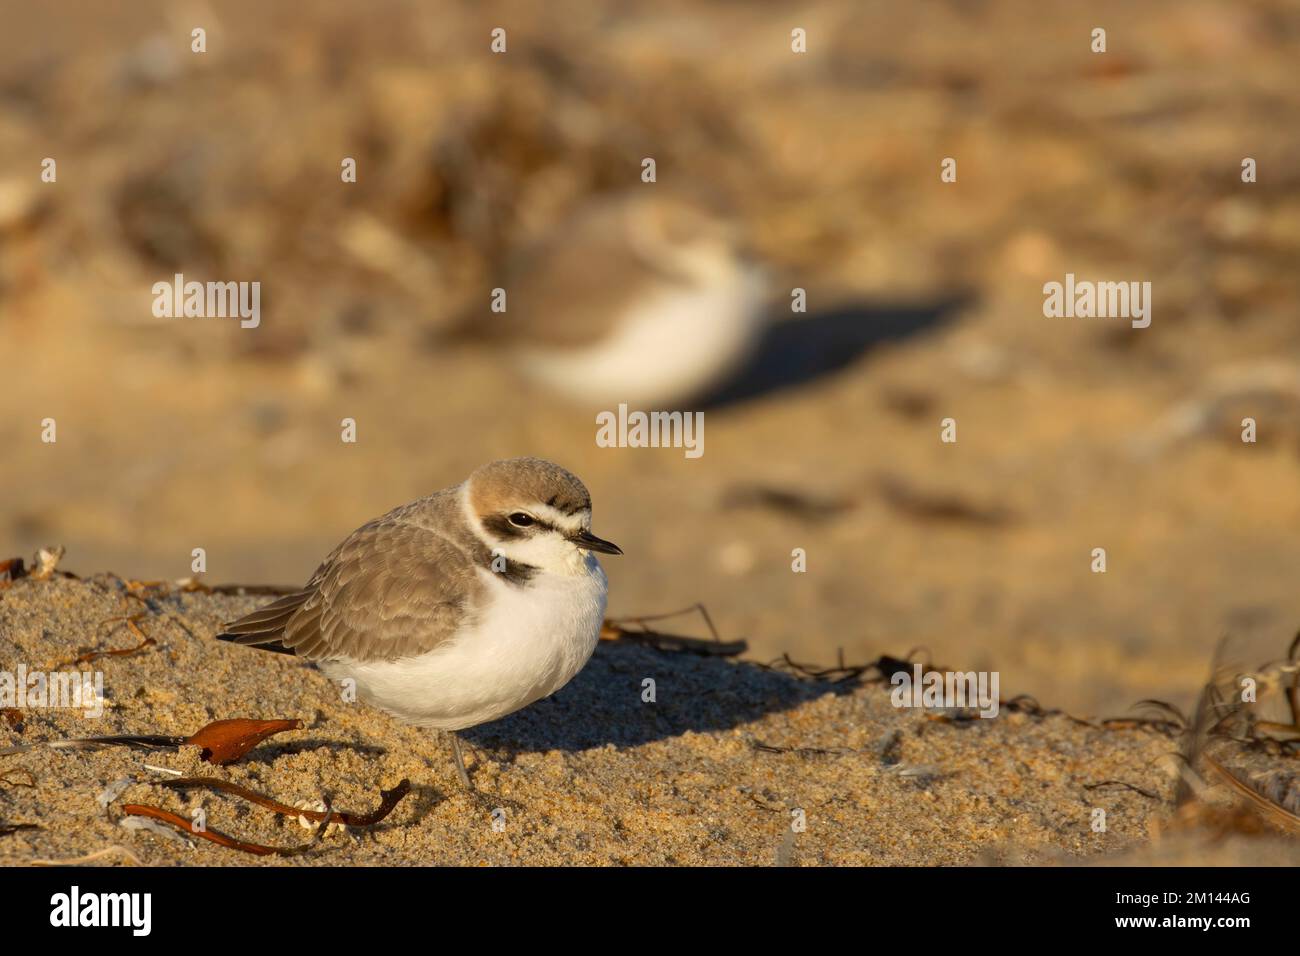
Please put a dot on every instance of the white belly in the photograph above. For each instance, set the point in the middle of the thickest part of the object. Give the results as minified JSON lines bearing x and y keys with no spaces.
{"x":530,"y":642}
{"x":665,"y":350}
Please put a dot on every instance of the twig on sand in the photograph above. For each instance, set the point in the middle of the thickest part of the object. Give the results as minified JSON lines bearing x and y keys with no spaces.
{"x":132,"y":622}
{"x":840,"y":673}
{"x":802,"y":751}
{"x":635,"y":629}
{"x":1123,"y":785}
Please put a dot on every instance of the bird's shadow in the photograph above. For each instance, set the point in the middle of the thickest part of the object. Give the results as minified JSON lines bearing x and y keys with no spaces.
{"x":268,"y":755}
{"x":630,"y":694}
{"x":794,"y":351}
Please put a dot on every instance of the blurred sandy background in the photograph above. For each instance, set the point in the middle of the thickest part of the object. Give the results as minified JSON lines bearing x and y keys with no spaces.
{"x":925,"y":302}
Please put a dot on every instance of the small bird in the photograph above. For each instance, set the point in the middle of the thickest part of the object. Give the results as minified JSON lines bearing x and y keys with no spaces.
{"x":642,"y":299}
{"x":458,"y":608}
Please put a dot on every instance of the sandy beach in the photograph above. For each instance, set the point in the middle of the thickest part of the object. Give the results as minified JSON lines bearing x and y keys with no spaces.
{"x":926,"y":458}
{"x":733,"y":763}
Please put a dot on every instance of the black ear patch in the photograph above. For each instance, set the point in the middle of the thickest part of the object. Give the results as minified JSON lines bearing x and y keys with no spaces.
{"x":516,"y":572}
{"x":500,"y":526}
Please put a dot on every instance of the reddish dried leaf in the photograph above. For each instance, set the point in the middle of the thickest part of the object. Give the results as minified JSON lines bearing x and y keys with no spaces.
{"x":225,"y":741}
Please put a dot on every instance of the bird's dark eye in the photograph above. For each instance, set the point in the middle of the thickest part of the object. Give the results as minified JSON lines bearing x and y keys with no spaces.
{"x":521,"y":520}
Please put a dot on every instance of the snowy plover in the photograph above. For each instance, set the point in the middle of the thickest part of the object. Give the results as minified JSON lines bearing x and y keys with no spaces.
{"x":644,"y":300}
{"x":458,"y":608}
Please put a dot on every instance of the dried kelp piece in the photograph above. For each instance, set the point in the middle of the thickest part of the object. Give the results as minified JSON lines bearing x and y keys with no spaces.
{"x":388,"y":799}
{"x":11,"y":569}
{"x":225,"y":741}
{"x":6,"y":829}
{"x":221,"y":839}
{"x":222,"y":741}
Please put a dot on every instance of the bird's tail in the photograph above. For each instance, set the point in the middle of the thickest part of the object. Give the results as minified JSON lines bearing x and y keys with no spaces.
{"x":264,"y":627}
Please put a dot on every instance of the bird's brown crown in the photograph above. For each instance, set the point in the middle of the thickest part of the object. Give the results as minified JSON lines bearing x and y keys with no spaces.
{"x":500,"y":485}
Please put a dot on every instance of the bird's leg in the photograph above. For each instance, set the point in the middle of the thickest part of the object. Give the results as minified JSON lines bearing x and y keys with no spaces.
{"x":460,"y":761}
{"x":488,"y":804}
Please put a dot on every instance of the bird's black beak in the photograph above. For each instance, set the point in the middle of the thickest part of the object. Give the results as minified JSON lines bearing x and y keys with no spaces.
{"x":588,"y":541}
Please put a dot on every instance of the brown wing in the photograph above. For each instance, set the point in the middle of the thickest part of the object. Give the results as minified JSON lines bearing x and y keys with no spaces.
{"x":390,"y":590}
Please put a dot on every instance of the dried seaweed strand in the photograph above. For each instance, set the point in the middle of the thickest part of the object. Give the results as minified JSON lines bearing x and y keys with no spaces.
{"x":137,"y":741}
{"x":221,"y":839}
{"x":618,"y":628}
{"x":145,"y":642}
{"x":388,"y":800}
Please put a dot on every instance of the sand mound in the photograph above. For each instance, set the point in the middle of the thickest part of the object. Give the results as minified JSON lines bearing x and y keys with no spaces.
{"x":731,"y":763}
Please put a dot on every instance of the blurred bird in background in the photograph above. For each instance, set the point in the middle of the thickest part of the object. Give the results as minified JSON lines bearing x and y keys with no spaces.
{"x":639,"y":299}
